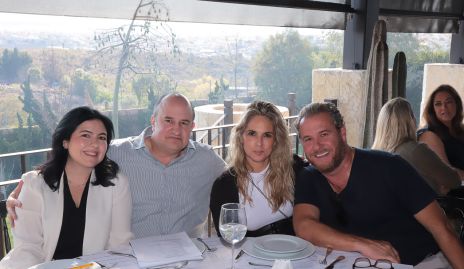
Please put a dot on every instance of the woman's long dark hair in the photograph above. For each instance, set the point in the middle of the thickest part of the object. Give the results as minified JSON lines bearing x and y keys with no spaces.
{"x":53,"y":169}
{"x":434,"y":124}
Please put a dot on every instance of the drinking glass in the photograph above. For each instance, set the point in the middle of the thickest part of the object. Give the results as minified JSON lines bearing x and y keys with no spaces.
{"x":232,"y":224}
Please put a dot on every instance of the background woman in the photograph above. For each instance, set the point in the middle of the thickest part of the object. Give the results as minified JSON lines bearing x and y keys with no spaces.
{"x":261,"y":174}
{"x":396,"y":132}
{"x":76,"y":203}
{"x":444,"y":132}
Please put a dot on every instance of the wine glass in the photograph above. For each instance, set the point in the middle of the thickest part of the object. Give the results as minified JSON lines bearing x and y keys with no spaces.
{"x":232,"y":224}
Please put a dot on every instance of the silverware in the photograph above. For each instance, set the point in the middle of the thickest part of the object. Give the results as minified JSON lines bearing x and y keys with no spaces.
{"x":208,"y":248}
{"x":259,"y":264}
{"x":339,"y":258}
{"x":327,"y":253}
{"x":239,"y":254}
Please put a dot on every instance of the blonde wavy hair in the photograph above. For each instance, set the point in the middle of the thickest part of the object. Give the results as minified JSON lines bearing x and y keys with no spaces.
{"x":279,"y":181}
{"x":396,"y":125}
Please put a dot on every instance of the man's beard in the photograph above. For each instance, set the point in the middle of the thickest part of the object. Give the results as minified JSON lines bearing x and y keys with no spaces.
{"x":337,"y":159}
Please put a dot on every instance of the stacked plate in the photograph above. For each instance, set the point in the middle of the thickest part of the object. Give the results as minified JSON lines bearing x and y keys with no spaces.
{"x":278,"y":246}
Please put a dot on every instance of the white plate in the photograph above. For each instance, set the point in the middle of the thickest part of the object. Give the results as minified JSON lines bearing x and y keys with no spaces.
{"x":62,"y":264}
{"x":280,"y":243}
{"x":250,"y":249}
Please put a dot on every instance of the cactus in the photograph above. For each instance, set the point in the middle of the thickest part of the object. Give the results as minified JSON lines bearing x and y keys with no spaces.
{"x":399,"y":75}
{"x":376,"y":81}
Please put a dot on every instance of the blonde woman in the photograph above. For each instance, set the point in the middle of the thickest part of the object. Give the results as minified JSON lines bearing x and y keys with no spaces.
{"x":261,"y":172}
{"x":396,"y":132}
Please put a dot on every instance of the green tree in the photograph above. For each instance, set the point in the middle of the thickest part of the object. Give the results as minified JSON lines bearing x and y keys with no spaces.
{"x":284,"y":65}
{"x":14,"y":65}
{"x":141,"y":39}
{"x":41,"y":114}
{"x":217,"y":95}
{"x":329,"y":53}
{"x":84,"y":85}
{"x":141,"y":86}
{"x":34,"y":74}
{"x":52,"y":68}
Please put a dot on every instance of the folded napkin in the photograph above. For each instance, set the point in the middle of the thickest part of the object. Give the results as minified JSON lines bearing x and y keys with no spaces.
{"x":164,"y":249}
{"x":282,"y":264}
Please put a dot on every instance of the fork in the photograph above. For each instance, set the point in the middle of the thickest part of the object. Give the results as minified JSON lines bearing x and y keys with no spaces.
{"x":208,"y":248}
{"x":327,"y":253}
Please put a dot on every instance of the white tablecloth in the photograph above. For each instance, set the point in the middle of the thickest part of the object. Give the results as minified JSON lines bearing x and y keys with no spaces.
{"x":221,"y":258}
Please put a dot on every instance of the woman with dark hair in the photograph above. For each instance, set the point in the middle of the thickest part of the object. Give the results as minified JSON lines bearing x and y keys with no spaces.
{"x":444,"y":132}
{"x":262,"y":172}
{"x":76,"y":203}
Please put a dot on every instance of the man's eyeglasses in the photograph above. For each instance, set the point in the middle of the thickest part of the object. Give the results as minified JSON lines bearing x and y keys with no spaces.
{"x":366,"y":263}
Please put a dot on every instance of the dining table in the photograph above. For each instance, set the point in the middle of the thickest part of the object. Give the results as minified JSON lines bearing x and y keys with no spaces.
{"x":221,"y":256}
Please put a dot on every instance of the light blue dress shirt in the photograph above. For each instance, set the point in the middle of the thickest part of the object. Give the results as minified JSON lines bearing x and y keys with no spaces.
{"x":167,"y":199}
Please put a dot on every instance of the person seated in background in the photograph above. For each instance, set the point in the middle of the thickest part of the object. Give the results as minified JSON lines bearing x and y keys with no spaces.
{"x":371,"y":202}
{"x":170,"y":175}
{"x":444,"y":133}
{"x":261,"y":174}
{"x":396,"y":133}
{"x":76,"y":203}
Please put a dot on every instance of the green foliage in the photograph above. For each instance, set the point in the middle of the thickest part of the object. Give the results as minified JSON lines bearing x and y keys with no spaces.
{"x":13,"y":65}
{"x":84,"y":85}
{"x":20,"y":120}
{"x":34,"y":74}
{"x":217,"y":96}
{"x":141,"y":87}
{"x":104,"y":97}
{"x":284,"y":65}
{"x":42,"y":117}
{"x":418,"y":54}
{"x":329,"y":53}
{"x":52,"y":69}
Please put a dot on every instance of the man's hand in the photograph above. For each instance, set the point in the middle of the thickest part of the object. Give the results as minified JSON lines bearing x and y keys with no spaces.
{"x":12,"y":202}
{"x":376,"y":249}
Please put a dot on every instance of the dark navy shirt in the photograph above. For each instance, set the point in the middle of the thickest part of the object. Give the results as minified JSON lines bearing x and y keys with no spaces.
{"x":379,"y":202}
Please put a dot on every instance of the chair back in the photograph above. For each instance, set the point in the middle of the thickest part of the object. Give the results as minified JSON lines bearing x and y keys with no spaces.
{"x":5,"y":243}
{"x":453,"y":207}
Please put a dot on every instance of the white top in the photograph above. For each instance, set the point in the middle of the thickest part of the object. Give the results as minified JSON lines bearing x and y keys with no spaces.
{"x":259,"y":212}
{"x":36,"y":233}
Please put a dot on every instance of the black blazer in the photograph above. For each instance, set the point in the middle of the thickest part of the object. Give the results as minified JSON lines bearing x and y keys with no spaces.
{"x":225,"y":191}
